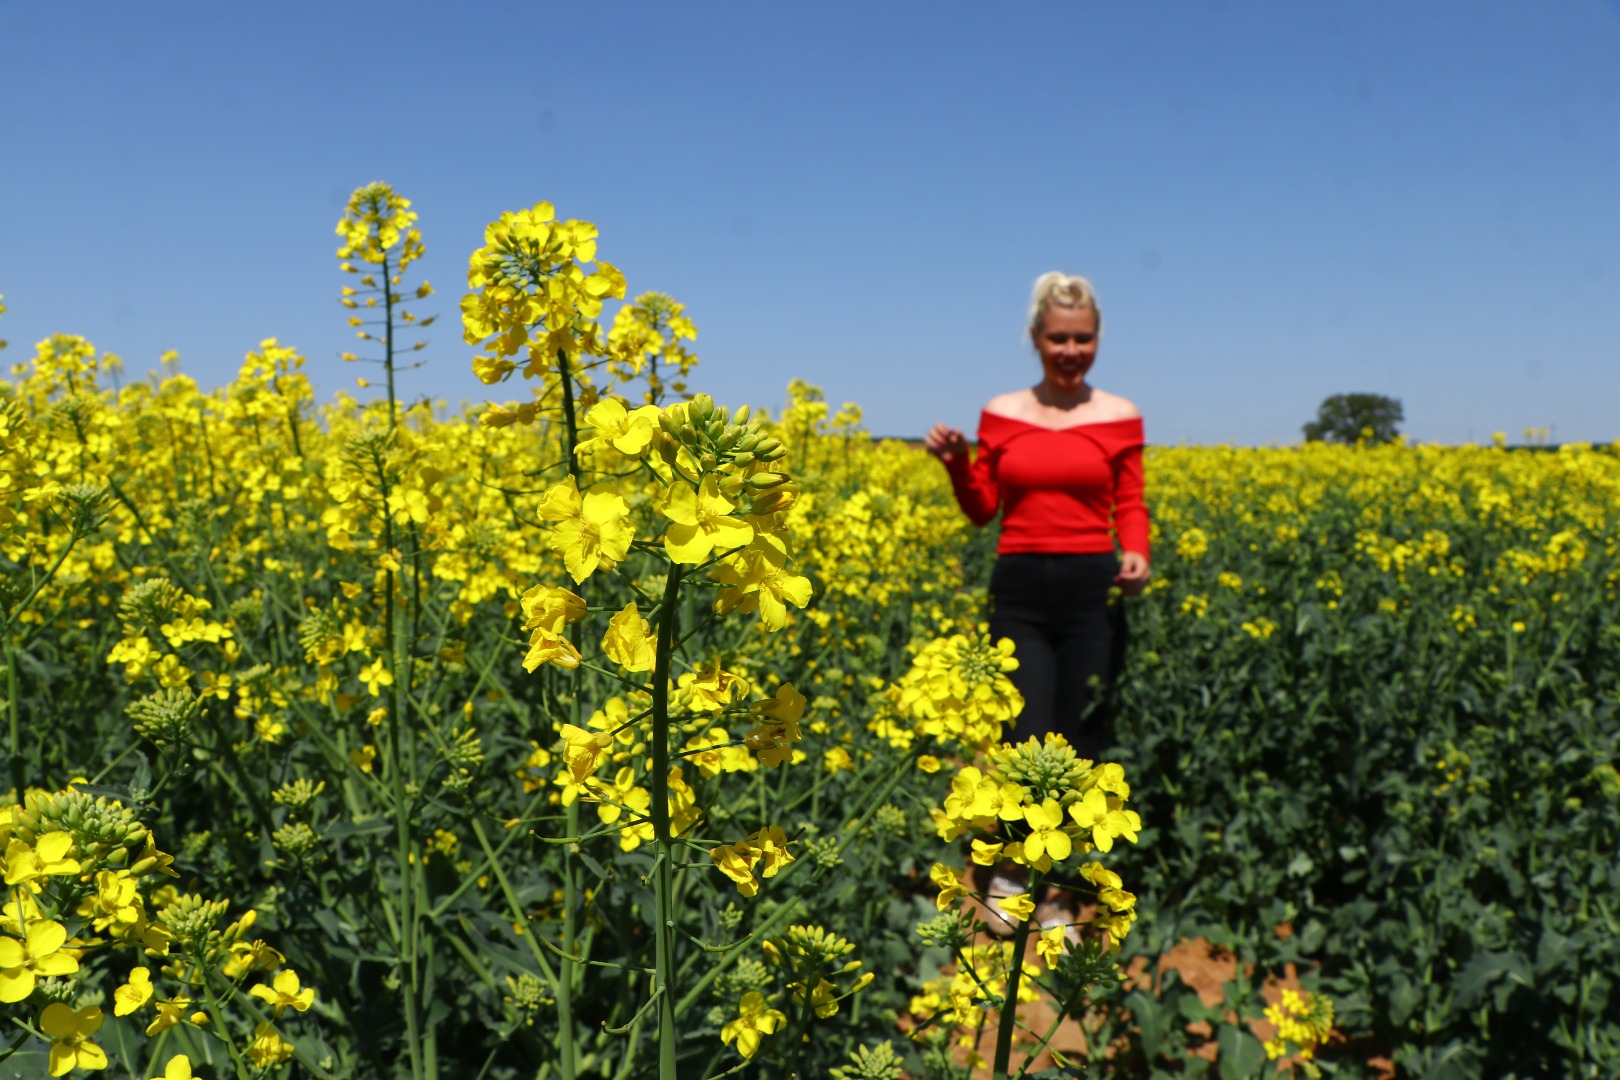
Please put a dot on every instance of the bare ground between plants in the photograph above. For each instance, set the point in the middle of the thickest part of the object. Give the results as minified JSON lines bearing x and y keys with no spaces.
{"x":1200,"y":965}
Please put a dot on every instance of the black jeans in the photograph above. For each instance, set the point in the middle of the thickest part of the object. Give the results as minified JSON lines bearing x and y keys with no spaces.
{"x":1070,"y":642}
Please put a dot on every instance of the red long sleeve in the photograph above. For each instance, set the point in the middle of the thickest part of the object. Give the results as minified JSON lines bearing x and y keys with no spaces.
{"x":1130,"y":511}
{"x":1065,"y":490}
{"x":975,"y":487}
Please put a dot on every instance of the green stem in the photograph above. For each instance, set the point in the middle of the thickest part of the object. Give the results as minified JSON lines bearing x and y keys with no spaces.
{"x":216,"y":1018}
{"x":1009,"y":1005}
{"x":388,"y":340}
{"x":16,"y":613}
{"x":407,"y":954}
{"x":519,"y":919}
{"x":570,"y":423}
{"x":568,"y":970}
{"x":664,"y":859}
{"x":19,"y":772}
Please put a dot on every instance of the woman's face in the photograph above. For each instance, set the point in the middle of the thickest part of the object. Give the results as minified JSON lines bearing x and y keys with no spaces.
{"x":1067,"y":342}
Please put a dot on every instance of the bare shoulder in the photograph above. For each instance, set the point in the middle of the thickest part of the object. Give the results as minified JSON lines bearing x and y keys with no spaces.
{"x":1113,"y":407}
{"x":1017,"y":404}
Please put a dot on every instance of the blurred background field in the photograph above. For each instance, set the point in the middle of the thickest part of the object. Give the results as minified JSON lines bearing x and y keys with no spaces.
{"x":1369,"y":721}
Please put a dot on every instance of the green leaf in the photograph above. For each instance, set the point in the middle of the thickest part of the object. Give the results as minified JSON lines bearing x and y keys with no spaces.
{"x":1242,"y":1055}
{"x":342,"y":830}
{"x":1152,"y":1020}
{"x":1454,"y":1061}
{"x":1403,"y":999}
{"x":1485,"y":968}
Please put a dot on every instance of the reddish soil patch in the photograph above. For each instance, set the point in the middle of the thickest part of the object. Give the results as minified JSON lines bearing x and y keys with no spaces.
{"x":1200,"y":965}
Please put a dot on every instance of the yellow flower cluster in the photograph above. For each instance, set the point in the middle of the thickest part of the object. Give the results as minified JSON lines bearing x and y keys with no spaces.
{"x":67,"y":852}
{"x":1037,"y":805}
{"x":1304,"y":1021}
{"x":957,"y":693}
{"x":23,"y":480}
{"x":378,"y":228}
{"x":818,"y":975}
{"x":718,"y":491}
{"x":649,"y":335}
{"x":529,"y":289}
{"x":375,"y":221}
{"x":766,"y":850}
{"x":962,"y":998}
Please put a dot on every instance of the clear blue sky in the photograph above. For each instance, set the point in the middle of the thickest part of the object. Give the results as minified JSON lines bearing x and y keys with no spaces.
{"x":1276,"y":201}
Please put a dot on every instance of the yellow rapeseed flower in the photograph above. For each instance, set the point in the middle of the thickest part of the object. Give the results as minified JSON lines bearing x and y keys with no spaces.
{"x":700,"y":522}
{"x":285,"y":992}
{"x":592,"y":532}
{"x":37,"y":955}
{"x":134,"y":993}
{"x":70,"y":1032}
{"x":178,"y":1068}
{"x":628,"y":641}
{"x":754,"y":1021}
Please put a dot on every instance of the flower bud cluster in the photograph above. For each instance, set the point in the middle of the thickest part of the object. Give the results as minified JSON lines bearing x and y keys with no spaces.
{"x":818,"y":977}
{"x":814,"y":958}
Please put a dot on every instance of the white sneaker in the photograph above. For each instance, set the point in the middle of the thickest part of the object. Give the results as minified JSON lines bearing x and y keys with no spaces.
{"x":1004,"y":885}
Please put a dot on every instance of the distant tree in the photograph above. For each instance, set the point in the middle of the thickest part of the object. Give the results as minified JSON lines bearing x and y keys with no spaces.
{"x":1346,"y":417}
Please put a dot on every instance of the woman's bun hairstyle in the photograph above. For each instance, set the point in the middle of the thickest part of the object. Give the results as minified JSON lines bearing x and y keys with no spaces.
{"x":1057,"y":289}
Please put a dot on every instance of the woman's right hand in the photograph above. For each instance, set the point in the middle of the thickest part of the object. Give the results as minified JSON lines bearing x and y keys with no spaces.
{"x":945,"y":443}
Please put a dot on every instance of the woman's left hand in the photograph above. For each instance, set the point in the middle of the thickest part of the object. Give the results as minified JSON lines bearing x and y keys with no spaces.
{"x":1134,"y":572}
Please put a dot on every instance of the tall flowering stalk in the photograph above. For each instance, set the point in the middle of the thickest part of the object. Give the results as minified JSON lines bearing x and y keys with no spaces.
{"x":648,"y":335}
{"x":688,"y":496}
{"x":379,"y":234}
{"x":1040,"y":806}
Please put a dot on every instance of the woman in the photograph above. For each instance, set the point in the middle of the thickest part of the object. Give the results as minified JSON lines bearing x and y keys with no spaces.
{"x":1063,"y":460}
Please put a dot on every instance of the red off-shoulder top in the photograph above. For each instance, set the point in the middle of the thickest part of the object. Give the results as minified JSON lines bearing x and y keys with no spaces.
{"x":1063,"y":488}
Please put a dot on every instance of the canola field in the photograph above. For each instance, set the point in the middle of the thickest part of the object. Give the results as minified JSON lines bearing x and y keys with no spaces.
{"x":607,"y":731}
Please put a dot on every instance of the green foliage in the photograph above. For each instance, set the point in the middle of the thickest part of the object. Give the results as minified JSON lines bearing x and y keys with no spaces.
{"x":1407,"y":771}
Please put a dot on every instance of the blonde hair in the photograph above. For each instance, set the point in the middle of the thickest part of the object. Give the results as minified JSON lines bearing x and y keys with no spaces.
{"x":1055,"y":288}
